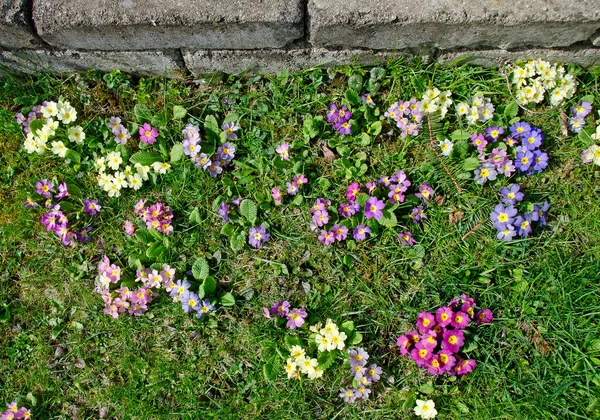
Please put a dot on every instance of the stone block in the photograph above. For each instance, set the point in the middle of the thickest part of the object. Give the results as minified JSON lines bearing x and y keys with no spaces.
{"x":111,"y":25}
{"x":447,"y":24}
{"x":15,"y":28}
{"x":585,"y":57}
{"x":274,"y":61}
{"x":146,"y":63}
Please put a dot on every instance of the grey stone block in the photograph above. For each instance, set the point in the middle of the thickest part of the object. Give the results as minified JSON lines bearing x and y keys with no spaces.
{"x":164,"y":24}
{"x":448,"y":24}
{"x":152,"y":63}
{"x":585,"y":57}
{"x":15,"y":30}
{"x":274,"y":61}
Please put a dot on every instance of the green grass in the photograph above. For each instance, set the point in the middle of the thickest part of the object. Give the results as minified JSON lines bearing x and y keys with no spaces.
{"x":537,"y":360}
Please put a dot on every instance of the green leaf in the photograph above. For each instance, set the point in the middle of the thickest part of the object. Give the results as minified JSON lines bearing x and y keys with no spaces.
{"x":209,"y":286}
{"x":388,"y":219}
{"x":142,"y":113}
{"x":373,"y":86}
{"x":145,"y":158}
{"x":195,"y":216}
{"x":416,"y":252}
{"x":593,"y":347}
{"x":211,"y":126}
{"x":176,"y":152}
{"x":311,"y":126}
{"x":66,"y":206}
{"x":160,"y":119}
{"x":238,"y":241}
{"x":200,"y":269}
{"x":377,"y":73}
{"x":511,"y":110}
{"x":227,"y":229}
{"x":375,"y":128}
{"x":292,"y":340}
{"x":427,"y":388}
{"x":155,"y":251}
{"x":144,"y":236}
{"x":357,"y":339}
{"x":362,"y":198}
{"x":248,"y":210}
{"x":326,"y":359}
{"x":270,"y":372}
{"x":364,"y":139}
{"x":355,"y":82}
{"x":227,"y":299}
{"x":470,"y":164}
{"x":410,"y":401}
{"x":73,"y":188}
{"x":458,"y":135}
{"x":347,"y":327}
{"x":179,"y":112}
{"x":73,"y":156}
{"x":233,"y":117}
{"x":353,"y":97}
{"x":36,"y":125}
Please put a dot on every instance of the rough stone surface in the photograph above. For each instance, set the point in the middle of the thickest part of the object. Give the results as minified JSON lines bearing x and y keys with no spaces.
{"x":274,"y":61}
{"x":586,"y":57}
{"x":447,"y":24}
{"x":15,"y":31}
{"x":156,"y":63}
{"x":596,"y":39}
{"x":163,"y":24}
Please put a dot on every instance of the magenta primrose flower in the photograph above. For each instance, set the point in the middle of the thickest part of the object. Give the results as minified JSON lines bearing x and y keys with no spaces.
{"x":425,"y":321}
{"x":295,"y":318}
{"x":453,"y":340}
{"x":276,"y":194}
{"x":353,"y":191}
{"x":326,"y":238}
{"x":406,"y":239}
{"x":283,"y":151}
{"x":373,"y":208}
{"x":148,"y":134}
{"x":484,"y":316}
{"x":360,"y":232}
{"x":44,"y":188}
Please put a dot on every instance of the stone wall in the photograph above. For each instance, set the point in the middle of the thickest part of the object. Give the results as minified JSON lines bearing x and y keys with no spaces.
{"x":178,"y":38}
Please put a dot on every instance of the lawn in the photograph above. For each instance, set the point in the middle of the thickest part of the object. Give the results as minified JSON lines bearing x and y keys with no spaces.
{"x":63,"y":356}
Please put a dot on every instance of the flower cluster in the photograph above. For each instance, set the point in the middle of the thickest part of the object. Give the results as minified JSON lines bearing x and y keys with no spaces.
{"x":112,"y":183}
{"x":190,"y":301}
{"x":437,"y":342}
{"x":123,"y":299}
{"x":299,"y":362}
{"x":394,"y":187}
{"x":48,"y":118}
{"x":57,"y":217}
{"x":119,"y":131}
{"x":478,"y":109}
{"x":538,"y":77}
{"x":508,"y":222}
{"x":157,"y":216}
{"x":408,"y":116}
{"x":14,"y":412}
{"x":292,"y":188}
{"x":294,"y":317}
{"x":339,"y":118}
{"x":518,"y":151}
{"x":578,"y":114}
{"x":215,"y":164}
{"x":362,"y":376}
{"x":436,"y":102}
